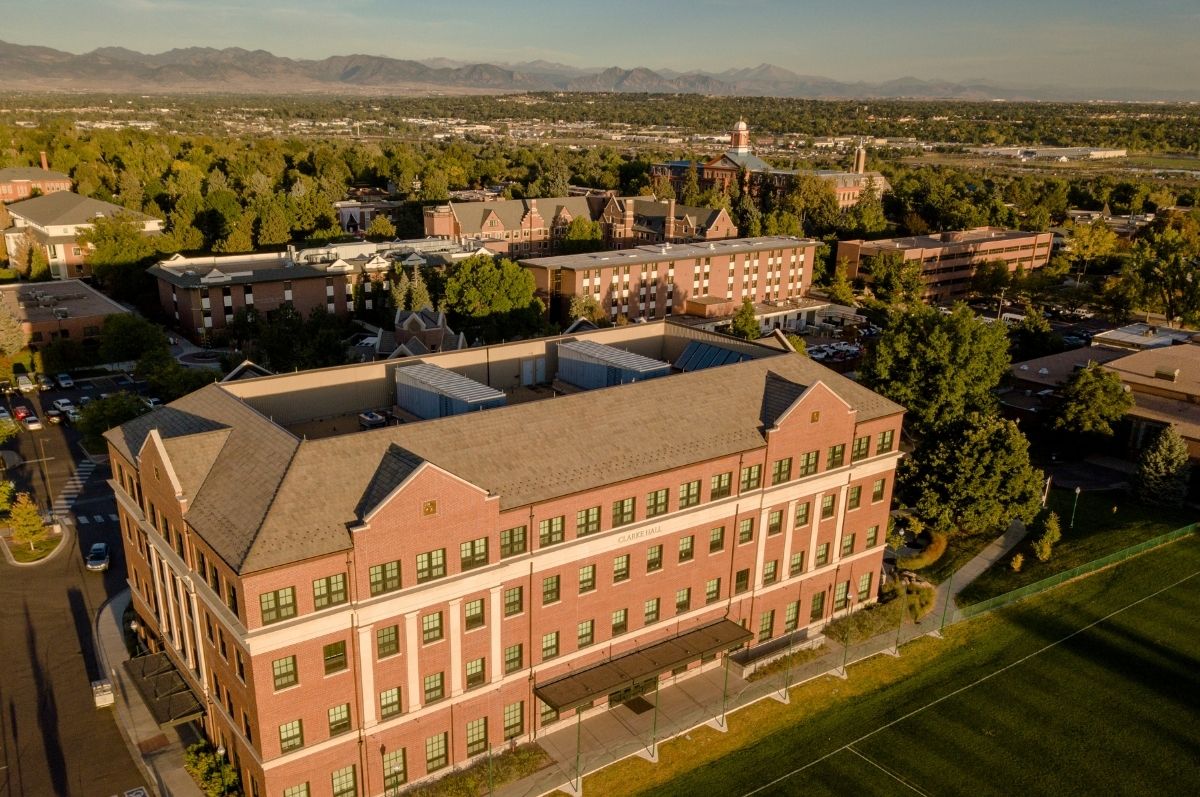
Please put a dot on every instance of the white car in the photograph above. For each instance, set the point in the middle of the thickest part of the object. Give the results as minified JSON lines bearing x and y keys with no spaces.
{"x":5,"y":415}
{"x":25,"y":384}
{"x":63,"y":404}
{"x":65,"y":381}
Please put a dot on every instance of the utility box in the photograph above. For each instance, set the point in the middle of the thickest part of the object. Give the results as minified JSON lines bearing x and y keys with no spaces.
{"x":102,"y":693}
{"x":429,"y":391}
{"x":590,"y":365}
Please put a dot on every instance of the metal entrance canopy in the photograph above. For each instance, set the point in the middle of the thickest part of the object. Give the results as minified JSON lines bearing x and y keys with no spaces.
{"x":166,"y":693}
{"x":600,"y":680}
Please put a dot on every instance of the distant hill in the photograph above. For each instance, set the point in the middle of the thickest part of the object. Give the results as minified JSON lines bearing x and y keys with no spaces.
{"x":236,"y":70}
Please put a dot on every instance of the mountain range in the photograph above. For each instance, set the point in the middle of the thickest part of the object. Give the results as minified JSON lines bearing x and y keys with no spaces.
{"x":235,"y":70}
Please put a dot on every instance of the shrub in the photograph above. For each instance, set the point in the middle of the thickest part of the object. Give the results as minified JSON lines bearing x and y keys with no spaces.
{"x":1042,"y":549}
{"x":930,"y":554}
{"x":1017,"y":562}
{"x":213,"y":773}
{"x":917,"y":601}
{"x":1052,"y":529}
{"x":505,"y":767}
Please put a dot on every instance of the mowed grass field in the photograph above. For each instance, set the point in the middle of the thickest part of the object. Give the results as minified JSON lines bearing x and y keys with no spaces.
{"x":1090,"y":688}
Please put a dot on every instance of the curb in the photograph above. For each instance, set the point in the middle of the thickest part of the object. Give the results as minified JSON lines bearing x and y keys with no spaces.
{"x":64,"y":539}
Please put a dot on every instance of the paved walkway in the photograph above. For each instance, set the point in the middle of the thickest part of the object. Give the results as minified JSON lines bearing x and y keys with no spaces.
{"x":158,"y":752}
{"x":687,"y":703}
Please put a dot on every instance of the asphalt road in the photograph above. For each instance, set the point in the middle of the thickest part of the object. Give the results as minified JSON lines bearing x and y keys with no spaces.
{"x":54,"y":741}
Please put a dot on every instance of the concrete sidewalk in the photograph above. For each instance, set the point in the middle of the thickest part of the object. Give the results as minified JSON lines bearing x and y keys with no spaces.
{"x":157,"y":751}
{"x":683,"y":704}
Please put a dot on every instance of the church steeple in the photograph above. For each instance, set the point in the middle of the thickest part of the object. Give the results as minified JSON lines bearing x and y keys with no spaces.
{"x":739,"y":138}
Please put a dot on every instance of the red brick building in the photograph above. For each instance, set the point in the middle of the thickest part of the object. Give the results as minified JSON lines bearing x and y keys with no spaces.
{"x":532,"y":227}
{"x":655,"y":281}
{"x":740,"y":164}
{"x":949,"y":259}
{"x":68,"y":309}
{"x":202,"y":294}
{"x":352,"y":610}
{"x":22,"y":182}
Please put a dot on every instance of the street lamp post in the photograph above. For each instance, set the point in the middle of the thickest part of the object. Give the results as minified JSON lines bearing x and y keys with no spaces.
{"x":1075,"y":506}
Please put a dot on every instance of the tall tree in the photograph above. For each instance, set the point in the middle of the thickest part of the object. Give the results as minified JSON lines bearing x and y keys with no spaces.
{"x":1163,"y":470}
{"x":587,"y":307}
{"x":1033,"y":337}
{"x":840,"y":291}
{"x":118,"y":252}
{"x":381,"y":229}
{"x":745,"y":322}
{"x":12,"y":336}
{"x":1093,"y":400}
{"x":1090,"y":243}
{"x":940,"y":367}
{"x":974,"y":478}
{"x":1165,"y":256}
{"x":583,"y":235}
{"x":690,"y":190}
{"x":418,"y":292}
{"x":496,"y":296}
{"x":25,"y":520}
{"x":126,"y":336}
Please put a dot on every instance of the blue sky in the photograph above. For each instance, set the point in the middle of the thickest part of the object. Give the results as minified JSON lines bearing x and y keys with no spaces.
{"x":1076,"y":43}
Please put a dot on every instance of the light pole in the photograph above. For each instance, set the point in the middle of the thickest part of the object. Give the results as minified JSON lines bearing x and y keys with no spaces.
{"x":1075,"y":506}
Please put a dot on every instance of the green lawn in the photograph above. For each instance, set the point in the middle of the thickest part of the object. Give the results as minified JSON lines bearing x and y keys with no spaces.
{"x":1098,"y":532}
{"x":41,"y":550}
{"x":1026,"y":700}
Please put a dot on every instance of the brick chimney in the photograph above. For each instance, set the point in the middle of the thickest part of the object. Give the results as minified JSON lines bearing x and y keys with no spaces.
{"x":669,"y":221}
{"x":45,"y":163}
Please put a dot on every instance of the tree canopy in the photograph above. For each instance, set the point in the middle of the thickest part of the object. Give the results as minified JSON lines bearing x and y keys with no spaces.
{"x":493,"y":296}
{"x":974,"y":477}
{"x":940,"y":367}
{"x":745,"y":322}
{"x":1093,"y":399}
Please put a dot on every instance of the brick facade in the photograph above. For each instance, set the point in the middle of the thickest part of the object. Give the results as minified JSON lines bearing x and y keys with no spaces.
{"x":799,"y":545}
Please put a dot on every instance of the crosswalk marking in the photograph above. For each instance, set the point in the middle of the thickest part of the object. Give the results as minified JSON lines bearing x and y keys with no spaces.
{"x":98,"y":518}
{"x":83,"y":520}
{"x":113,"y":517}
{"x":71,"y":490}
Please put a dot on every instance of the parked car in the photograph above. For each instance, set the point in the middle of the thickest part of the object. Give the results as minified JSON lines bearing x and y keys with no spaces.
{"x":97,"y":558}
{"x":25,"y":384}
{"x":5,"y":415}
{"x":65,"y":381}
{"x":152,"y":402}
{"x":21,"y":412}
{"x":44,"y":383}
{"x":85,"y":400}
{"x":73,"y":415}
{"x":54,"y":416}
{"x":6,"y":387}
{"x":31,"y":422}
{"x":63,"y":404}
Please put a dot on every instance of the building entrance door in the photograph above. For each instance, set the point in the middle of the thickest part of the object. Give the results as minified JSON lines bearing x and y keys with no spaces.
{"x":636,"y":689}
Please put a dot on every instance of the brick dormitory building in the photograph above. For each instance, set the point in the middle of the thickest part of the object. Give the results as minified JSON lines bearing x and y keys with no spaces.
{"x":557,"y":526}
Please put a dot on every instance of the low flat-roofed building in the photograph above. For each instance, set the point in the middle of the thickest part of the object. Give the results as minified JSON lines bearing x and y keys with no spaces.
{"x":655,"y":281}
{"x":69,"y":309}
{"x":1165,"y":383}
{"x":53,"y":222}
{"x":365,"y":597}
{"x":1139,"y":336}
{"x":949,"y":259}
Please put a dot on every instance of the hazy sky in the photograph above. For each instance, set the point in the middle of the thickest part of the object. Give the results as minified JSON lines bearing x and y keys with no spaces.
{"x":1077,"y":43}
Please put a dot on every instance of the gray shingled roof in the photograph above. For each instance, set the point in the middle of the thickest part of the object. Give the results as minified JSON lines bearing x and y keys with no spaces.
{"x":30,"y":173}
{"x":269,"y":499}
{"x":470,"y":215}
{"x":66,"y":207}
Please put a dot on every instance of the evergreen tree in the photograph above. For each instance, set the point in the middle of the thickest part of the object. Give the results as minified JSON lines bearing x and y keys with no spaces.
{"x":690,"y":193}
{"x":1163,"y":470}
{"x":12,"y":336}
{"x":840,"y":290}
{"x":418,"y":293}
{"x":25,"y":520}
{"x":745,"y":323}
{"x":400,"y":289}
{"x":274,"y":227}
